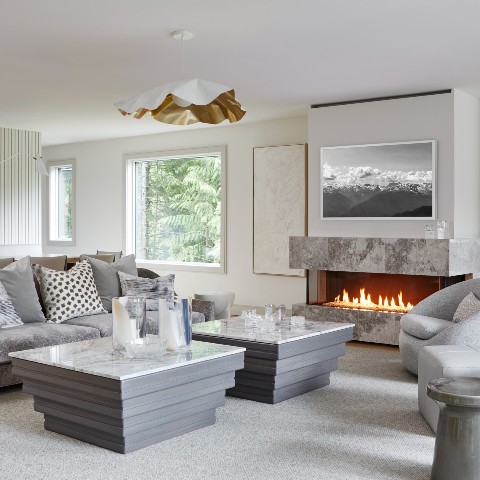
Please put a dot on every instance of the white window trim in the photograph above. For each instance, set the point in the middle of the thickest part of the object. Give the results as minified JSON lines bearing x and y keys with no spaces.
{"x":49,"y":241}
{"x":129,"y":214}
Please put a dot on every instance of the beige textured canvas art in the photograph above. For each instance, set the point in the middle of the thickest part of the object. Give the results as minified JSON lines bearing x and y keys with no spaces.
{"x":279,"y":206}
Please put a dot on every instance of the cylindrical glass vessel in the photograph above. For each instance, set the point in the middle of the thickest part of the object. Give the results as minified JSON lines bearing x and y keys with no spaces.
{"x":129,"y":320}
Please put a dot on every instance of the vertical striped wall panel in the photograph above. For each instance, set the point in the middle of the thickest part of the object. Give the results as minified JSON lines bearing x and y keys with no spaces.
{"x":19,"y":188}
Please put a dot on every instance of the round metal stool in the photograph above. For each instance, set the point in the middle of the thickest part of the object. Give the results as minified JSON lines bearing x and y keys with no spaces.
{"x":457,"y":446}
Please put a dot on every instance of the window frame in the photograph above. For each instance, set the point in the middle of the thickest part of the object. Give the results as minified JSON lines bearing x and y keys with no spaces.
{"x":129,"y":161}
{"x":56,"y":164}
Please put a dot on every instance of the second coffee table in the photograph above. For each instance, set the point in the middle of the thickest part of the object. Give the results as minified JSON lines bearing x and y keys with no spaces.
{"x":281,"y":364}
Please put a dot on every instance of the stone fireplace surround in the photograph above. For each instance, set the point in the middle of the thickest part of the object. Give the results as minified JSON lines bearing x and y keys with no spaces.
{"x":443,"y":258}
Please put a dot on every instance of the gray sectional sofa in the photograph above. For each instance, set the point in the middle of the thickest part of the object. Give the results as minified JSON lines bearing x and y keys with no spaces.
{"x":40,"y":334}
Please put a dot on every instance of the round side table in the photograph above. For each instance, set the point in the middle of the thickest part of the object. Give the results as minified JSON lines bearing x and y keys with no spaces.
{"x":457,"y":446}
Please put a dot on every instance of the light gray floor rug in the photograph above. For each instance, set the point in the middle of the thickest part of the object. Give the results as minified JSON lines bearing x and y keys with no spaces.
{"x":364,"y":425}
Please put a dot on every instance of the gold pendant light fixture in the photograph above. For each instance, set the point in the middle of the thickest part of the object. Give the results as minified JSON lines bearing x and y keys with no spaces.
{"x":187,"y":101}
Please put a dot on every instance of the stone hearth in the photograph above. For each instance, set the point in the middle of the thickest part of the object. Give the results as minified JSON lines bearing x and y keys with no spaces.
{"x":451,"y":260}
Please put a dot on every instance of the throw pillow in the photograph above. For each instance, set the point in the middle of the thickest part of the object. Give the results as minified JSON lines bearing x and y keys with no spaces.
{"x":8,"y":315}
{"x":68,"y":294}
{"x":150,"y":288}
{"x":17,"y":278}
{"x":106,"y":277}
{"x":469,"y":306}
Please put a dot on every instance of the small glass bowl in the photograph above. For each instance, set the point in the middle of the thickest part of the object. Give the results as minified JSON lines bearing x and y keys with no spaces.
{"x":149,"y":347}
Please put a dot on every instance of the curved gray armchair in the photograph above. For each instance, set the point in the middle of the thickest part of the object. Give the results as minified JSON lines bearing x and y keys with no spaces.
{"x":430,"y":323}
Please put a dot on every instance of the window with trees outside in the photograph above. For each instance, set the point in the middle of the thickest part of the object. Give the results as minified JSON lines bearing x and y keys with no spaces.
{"x":61,"y":202}
{"x":176,"y":208}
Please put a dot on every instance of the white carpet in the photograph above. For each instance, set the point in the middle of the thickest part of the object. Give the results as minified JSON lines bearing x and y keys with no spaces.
{"x":365,"y":425}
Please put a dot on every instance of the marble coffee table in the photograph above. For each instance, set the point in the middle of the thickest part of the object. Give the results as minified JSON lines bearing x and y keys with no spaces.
{"x":280,"y":364}
{"x":89,"y":393}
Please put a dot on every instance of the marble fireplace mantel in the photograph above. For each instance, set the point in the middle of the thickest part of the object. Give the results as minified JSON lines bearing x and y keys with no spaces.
{"x":408,"y":256}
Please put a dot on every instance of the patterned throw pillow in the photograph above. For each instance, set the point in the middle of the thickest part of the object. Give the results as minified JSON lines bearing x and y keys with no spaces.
{"x":151,"y":288}
{"x":469,"y":306}
{"x":68,"y":294}
{"x":8,"y":315}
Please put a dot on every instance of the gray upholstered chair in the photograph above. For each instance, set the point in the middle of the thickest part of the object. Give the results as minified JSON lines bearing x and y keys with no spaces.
{"x":223,"y":302}
{"x":430,"y":323}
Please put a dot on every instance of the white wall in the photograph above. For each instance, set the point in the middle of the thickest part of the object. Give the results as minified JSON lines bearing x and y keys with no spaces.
{"x":100,"y":211}
{"x":415,"y":118}
{"x":467,"y":165}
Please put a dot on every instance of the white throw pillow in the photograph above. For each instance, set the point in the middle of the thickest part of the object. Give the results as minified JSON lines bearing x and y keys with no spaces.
{"x":469,"y":306}
{"x":69,"y":294}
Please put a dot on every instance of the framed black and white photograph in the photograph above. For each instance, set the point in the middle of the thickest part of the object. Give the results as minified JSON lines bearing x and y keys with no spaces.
{"x":385,"y":181}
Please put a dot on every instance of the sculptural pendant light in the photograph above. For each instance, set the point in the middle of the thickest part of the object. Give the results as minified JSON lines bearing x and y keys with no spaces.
{"x":185,"y":102}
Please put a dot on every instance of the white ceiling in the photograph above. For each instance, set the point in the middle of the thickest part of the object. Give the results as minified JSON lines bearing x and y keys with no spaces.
{"x":63,"y":63}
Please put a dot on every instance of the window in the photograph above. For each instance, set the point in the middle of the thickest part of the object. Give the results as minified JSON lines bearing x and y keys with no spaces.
{"x":176,"y":208}
{"x":61,"y":202}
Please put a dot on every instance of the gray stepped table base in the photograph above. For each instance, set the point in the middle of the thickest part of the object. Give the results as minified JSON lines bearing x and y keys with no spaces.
{"x":129,"y":414}
{"x":275,"y":372}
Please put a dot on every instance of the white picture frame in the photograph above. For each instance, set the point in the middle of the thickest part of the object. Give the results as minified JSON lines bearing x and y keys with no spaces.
{"x":384,"y":181}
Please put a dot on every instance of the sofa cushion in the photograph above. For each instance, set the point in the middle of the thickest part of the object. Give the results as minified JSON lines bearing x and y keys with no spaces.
{"x":8,"y":316}
{"x":106,"y":277}
{"x":150,"y":288}
{"x":469,"y":306}
{"x":116,"y":255}
{"x":58,"y":262}
{"x":68,"y":294}
{"x":35,"y":335}
{"x":102,"y":322}
{"x":6,"y":261}
{"x":421,"y":326}
{"x":17,"y":278}
{"x":104,"y":257}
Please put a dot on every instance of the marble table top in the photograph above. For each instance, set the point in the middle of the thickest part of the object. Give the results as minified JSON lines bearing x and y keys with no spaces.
{"x":97,"y":357}
{"x":234,"y":328}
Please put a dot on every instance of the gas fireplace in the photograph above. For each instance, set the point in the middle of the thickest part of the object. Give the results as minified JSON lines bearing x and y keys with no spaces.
{"x":372,"y":282}
{"x":375,"y":291}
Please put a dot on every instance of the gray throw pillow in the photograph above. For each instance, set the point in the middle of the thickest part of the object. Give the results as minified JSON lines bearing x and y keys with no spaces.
{"x":150,"y":288}
{"x":17,"y":278}
{"x":469,"y":306}
{"x":68,"y":294}
{"x":106,"y":277}
{"x":8,"y":315}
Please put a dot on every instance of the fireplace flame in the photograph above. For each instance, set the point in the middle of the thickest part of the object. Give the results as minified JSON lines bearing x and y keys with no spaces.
{"x":364,"y":302}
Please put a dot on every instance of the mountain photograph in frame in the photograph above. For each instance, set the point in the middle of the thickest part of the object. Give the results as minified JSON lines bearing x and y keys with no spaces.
{"x":385,"y":181}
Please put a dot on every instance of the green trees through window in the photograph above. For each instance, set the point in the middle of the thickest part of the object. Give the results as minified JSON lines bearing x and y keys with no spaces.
{"x":178,"y":209}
